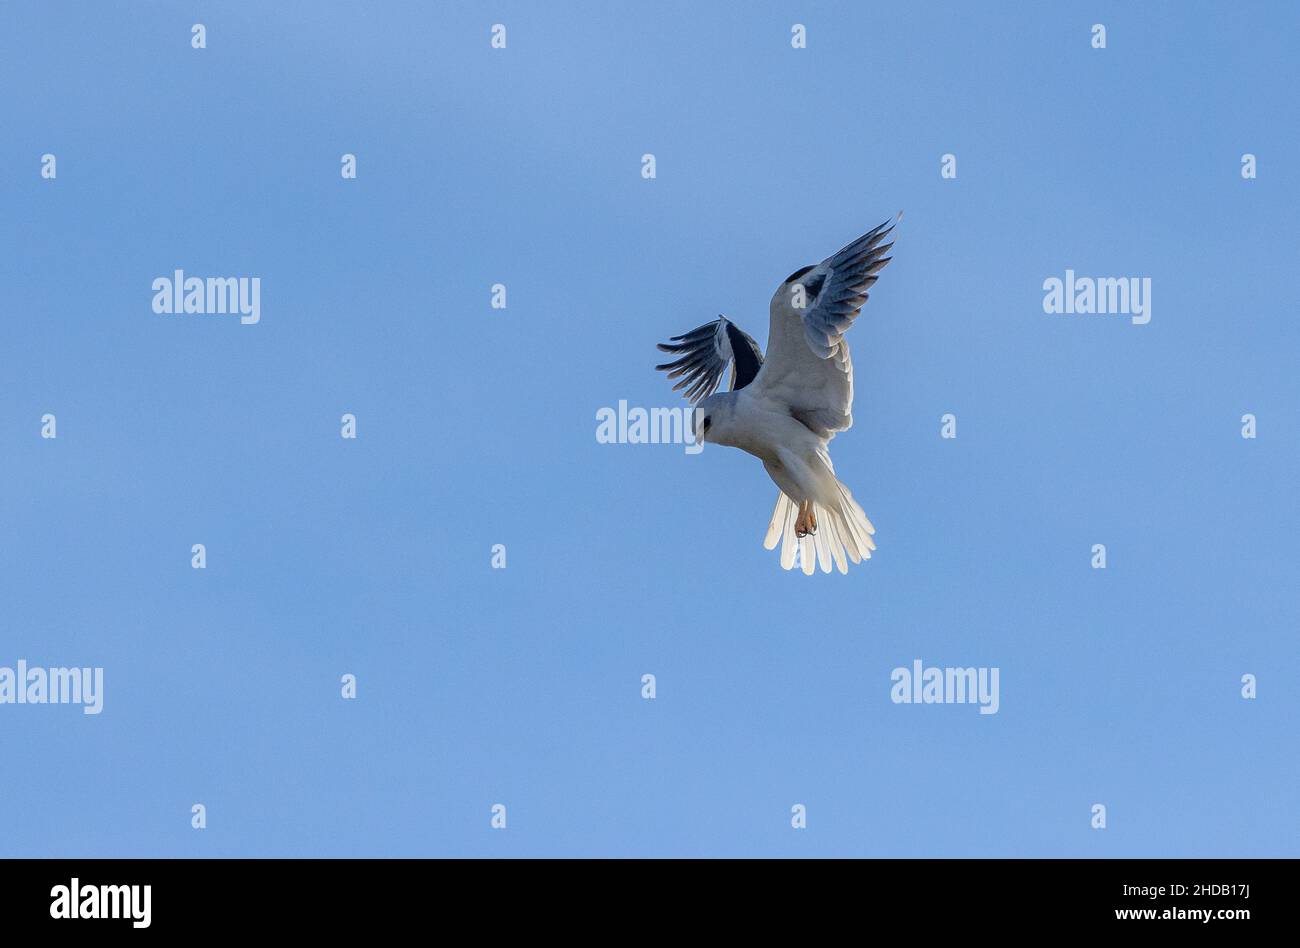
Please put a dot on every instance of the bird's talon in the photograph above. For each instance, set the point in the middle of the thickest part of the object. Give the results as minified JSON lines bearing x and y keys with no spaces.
{"x":806,"y":522}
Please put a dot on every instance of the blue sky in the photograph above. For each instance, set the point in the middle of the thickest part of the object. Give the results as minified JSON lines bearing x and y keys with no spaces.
{"x":476,"y":426}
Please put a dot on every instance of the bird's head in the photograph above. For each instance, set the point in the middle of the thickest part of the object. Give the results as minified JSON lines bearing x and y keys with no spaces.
{"x":711,"y":420}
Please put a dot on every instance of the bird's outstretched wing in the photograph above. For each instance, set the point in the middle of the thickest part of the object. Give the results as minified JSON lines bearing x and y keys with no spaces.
{"x":808,"y":368}
{"x":704,"y":354}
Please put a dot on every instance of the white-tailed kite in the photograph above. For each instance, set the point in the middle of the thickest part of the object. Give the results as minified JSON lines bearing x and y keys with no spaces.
{"x":785,"y":407}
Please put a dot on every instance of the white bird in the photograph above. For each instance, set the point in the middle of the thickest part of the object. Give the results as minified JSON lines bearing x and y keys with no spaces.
{"x":785,"y":407}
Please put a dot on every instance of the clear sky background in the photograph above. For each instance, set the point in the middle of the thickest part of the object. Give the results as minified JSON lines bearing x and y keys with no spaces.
{"x":477,"y":426}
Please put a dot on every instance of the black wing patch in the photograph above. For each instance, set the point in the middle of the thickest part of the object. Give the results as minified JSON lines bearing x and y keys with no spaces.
{"x":745,"y":355}
{"x":813,"y":287}
{"x":704,"y":354}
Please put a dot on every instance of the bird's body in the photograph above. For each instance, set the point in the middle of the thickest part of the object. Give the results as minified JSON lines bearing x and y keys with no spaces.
{"x":786,"y":406}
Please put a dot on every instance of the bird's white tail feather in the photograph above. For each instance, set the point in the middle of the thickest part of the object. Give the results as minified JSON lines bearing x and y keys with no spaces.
{"x":777,"y":526}
{"x":790,"y":543}
{"x":843,"y":531}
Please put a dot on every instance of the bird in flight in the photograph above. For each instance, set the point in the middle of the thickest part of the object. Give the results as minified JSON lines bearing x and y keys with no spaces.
{"x":786,"y":406}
